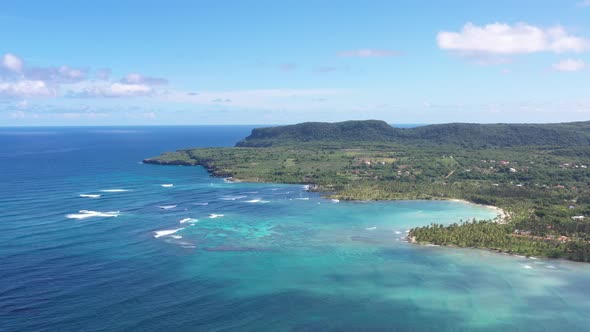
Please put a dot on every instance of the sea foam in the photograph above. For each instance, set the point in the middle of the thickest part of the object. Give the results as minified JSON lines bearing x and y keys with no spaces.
{"x":190,"y":220}
{"x":167,"y":185}
{"x":166,"y":232}
{"x":114,"y":190}
{"x":83,"y":214}
{"x":257,"y":201}
{"x":90,"y":195}
{"x":233,"y":198}
{"x":213,"y":215}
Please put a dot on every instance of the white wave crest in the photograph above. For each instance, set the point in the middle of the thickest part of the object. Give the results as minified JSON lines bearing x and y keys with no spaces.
{"x":114,"y":190}
{"x":233,"y":198}
{"x":303,"y":198}
{"x":189,"y":220}
{"x":83,"y":214}
{"x":166,"y":232}
{"x":167,"y":207}
{"x":334,"y":200}
{"x":371,"y":228}
{"x":90,"y":195}
{"x":213,"y":215}
{"x":167,"y":185}
{"x":257,"y":201}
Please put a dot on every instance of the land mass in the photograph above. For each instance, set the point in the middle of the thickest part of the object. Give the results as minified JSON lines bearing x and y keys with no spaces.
{"x":537,"y":173}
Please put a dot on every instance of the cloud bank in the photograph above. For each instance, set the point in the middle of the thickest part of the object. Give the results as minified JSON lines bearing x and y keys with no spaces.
{"x":569,"y":65}
{"x":494,"y":43}
{"x":17,"y":80}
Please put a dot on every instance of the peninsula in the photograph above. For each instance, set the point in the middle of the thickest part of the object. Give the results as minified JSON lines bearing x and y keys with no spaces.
{"x":537,"y":173}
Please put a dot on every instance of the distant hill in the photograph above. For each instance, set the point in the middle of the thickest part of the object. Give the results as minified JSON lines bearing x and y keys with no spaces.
{"x":468,"y":135}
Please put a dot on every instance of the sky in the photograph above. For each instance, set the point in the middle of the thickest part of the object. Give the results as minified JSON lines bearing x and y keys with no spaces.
{"x":277,"y":62}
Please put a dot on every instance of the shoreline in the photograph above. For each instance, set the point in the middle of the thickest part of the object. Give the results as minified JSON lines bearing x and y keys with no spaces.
{"x":502,"y":215}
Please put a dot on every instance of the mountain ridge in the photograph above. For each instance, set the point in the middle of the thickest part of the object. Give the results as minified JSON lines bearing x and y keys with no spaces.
{"x":468,"y":135}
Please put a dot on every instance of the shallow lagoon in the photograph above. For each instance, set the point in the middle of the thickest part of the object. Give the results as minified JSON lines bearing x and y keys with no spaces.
{"x":278,"y":259}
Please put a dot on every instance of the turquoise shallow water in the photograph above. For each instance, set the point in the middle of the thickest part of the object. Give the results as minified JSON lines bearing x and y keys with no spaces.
{"x":254,"y":257}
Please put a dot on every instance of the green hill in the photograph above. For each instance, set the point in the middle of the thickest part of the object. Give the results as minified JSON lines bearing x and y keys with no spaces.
{"x":466,"y":135}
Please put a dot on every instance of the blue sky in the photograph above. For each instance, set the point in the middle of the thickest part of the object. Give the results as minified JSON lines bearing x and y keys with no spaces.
{"x":273,"y":62}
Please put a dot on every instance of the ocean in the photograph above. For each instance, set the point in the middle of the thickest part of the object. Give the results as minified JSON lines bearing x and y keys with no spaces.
{"x":91,"y":239}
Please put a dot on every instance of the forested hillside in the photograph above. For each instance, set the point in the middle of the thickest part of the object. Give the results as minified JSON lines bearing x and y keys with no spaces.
{"x":466,"y":135}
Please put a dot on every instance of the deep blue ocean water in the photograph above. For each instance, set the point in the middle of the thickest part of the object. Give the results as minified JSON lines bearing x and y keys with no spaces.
{"x":255,"y":257}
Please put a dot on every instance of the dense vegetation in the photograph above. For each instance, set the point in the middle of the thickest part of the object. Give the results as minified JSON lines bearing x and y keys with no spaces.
{"x":490,"y":235}
{"x":544,"y":187}
{"x":467,"y":135}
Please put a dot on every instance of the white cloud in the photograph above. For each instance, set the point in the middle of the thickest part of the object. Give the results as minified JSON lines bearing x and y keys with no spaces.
{"x":56,"y":75}
{"x":103,"y":74}
{"x":22,"y":105}
{"x":26,"y":88}
{"x":72,"y":74}
{"x":368,"y":53}
{"x":12,"y":62}
{"x":113,"y":90}
{"x":18,"y":115}
{"x":135,"y":78}
{"x":20,"y":81}
{"x":492,"y":43}
{"x":569,"y":65}
{"x":122,"y":89}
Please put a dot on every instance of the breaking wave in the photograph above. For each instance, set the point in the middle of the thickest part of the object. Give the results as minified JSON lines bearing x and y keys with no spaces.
{"x":90,"y":195}
{"x":166,"y":232}
{"x":257,"y":201}
{"x":83,"y":214}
